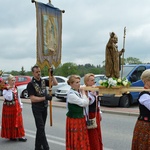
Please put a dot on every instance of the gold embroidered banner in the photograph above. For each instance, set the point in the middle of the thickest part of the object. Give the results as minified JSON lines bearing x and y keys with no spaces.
{"x":49,"y":35}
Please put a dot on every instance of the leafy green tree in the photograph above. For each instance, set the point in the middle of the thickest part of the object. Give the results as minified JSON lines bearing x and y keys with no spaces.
{"x":15,"y":73}
{"x":94,"y":70}
{"x":57,"y":71}
{"x":22,"y":72}
{"x":132,"y":60}
{"x":82,"y":70}
{"x":45,"y":71}
{"x":69,"y":69}
{"x":29,"y":73}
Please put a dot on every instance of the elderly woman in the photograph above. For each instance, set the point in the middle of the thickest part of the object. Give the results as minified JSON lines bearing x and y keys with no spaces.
{"x":95,"y":136}
{"x":141,"y":134}
{"x":76,"y":129}
{"x":12,"y":122}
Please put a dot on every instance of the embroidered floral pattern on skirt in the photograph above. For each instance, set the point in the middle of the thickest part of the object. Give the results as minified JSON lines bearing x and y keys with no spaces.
{"x":141,"y":136}
{"x":76,"y":134}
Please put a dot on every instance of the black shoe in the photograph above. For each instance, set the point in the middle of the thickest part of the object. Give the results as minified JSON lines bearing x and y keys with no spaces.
{"x":22,"y":139}
{"x":13,"y":139}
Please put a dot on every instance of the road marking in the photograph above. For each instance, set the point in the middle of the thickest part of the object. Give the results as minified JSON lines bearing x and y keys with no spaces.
{"x":54,"y":139}
{"x":49,"y":136}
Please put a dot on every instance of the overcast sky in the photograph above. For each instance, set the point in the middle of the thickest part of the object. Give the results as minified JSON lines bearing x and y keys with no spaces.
{"x":85,"y":32}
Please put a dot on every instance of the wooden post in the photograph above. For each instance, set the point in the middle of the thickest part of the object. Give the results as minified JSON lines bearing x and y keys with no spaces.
{"x":50,"y":92}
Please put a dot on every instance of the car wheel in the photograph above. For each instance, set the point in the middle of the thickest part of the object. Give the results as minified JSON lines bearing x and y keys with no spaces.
{"x":124,"y":101}
{"x":25,"y":94}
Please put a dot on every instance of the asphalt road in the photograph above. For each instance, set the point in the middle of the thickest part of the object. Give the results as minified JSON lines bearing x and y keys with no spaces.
{"x":116,"y":130}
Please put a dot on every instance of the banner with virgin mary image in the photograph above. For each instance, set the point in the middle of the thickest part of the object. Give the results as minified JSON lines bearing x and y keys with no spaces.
{"x":49,"y":35}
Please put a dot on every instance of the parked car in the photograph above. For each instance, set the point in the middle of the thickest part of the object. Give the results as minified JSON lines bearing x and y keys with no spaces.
{"x":22,"y":80}
{"x":61,"y":82}
{"x":22,"y":89}
{"x":5,"y":76}
{"x":61,"y":92}
{"x":98,"y":77}
{"x":132,"y":73}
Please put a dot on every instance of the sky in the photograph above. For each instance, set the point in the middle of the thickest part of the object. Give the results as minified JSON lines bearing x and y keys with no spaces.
{"x":86,"y":25}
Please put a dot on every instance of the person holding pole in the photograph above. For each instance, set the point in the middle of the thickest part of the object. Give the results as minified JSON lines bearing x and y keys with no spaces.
{"x":113,"y":60}
{"x":39,"y":100}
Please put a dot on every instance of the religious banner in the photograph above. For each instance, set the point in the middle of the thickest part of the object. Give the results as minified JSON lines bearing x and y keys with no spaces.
{"x":49,"y":34}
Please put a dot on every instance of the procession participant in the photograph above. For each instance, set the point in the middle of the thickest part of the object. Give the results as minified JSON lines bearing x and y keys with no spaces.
{"x":12,"y":122}
{"x":112,"y":57}
{"x":39,"y":101}
{"x":141,"y":134}
{"x":76,"y":129}
{"x":95,"y":136}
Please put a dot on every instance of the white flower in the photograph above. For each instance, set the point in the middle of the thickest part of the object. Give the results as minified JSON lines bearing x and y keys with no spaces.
{"x":112,"y":82}
{"x":125,"y":83}
{"x":119,"y":80}
{"x":101,"y":81}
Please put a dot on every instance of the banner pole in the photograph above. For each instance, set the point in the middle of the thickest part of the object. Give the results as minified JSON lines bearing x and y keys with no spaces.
{"x":33,"y":1}
{"x":50,"y":92}
{"x":124,"y":36}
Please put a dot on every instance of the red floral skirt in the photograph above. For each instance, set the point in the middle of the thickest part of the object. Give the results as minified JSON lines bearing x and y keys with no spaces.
{"x":141,"y":136}
{"x":95,"y":136}
{"x":12,"y":123}
{"x":76,"y":134}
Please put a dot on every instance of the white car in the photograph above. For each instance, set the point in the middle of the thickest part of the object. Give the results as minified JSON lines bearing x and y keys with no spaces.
{"x":61,"y":93}
{"x":61,"y":82}
{"x":22,"y":89}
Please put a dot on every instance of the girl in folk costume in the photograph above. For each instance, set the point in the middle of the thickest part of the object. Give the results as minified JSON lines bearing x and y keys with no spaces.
{"x":76,"y":129}
{"x":95,"y":136}
{"x":12,"y":122}
{"x":141,"y":134}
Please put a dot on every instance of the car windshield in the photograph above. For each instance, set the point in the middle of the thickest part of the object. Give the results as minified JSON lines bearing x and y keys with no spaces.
{"x":127,"y":70}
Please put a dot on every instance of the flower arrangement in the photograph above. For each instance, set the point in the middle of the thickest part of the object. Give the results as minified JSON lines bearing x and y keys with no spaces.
{"x":114,"y":82}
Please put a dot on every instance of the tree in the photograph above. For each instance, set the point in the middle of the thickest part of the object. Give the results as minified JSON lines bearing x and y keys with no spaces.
{"x":22,"y":72}
{"x":15,"y":73}
{"x":132,"y":60}
{"x":44,"y":71}
{"x":69,"y":69}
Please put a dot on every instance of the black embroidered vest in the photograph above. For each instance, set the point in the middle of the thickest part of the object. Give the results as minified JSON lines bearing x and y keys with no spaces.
{"x":40,"y":90}
{"x":143,"y":110}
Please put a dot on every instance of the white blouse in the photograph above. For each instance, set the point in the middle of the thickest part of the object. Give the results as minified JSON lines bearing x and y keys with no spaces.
{"x":8,"y":95}
{"x":74,"y":97}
